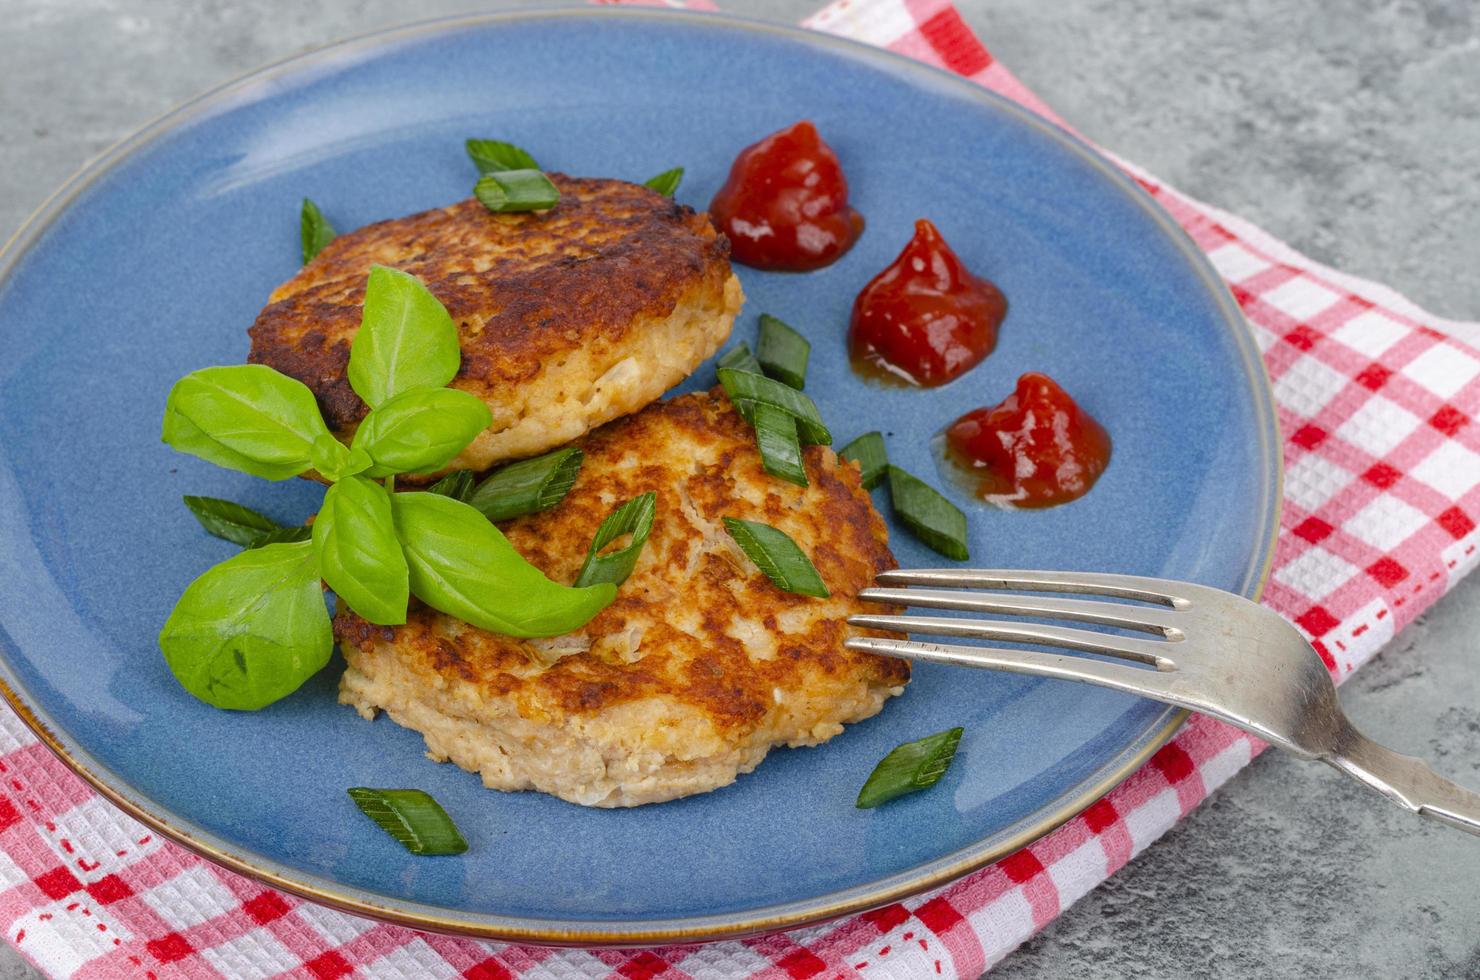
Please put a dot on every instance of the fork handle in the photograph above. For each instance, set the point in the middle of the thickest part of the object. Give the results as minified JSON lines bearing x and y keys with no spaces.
{"x":1407,"y":781}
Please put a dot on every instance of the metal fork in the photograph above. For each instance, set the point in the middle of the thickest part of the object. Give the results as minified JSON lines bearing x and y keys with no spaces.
{"x":1197,"y":647}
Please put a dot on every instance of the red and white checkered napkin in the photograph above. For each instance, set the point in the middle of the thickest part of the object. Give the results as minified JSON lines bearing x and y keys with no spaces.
{"x":1379,"y":403}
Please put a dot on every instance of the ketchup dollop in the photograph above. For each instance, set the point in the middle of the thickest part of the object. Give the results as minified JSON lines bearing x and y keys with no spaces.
{"x":1035,"y":449}
{"x":925,"y":319}
{"x":785,"y":204}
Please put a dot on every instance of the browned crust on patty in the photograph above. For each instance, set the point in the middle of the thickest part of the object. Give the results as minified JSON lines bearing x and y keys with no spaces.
{"x":524,"y":289}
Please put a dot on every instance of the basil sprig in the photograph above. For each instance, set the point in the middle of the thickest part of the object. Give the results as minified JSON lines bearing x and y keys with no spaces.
{"x":666,"y":183}
{"x":493,"y":156}
{"x":253,"y":628}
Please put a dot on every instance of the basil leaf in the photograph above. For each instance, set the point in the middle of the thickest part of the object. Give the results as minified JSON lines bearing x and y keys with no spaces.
{"x":461,"y":565}
{"x":406,"y":339}
{"x":739,"y":358}
{"x":245,"y":417}
{"x":528,"y":486}
{"x":493,"y":156}
{"x":635,"y":517}
{"x":230,"y":520}
{"x":283,"y":535}
{"x":782,"y":352}
{"x":314,"y":230}
{"x":776,"y":438}
{"x":458,"y":485}
{"x":868,"y":452}
{"x":743,"y":386}
{"x":909,"y":768}
{"x":666,"y":182}
{"x":250,"y":630}
{"x":412,"y":817}
{"x":420,"y":430}
{"x":777,"y":556}
{"x":516,"y":190}
{"x":359,"y":555}
{"x":334,"y":461}
{"x":934,"y":519}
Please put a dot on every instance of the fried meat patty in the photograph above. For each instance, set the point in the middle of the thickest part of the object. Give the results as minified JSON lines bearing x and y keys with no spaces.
{"x":567,"y":318}
{"x":697,"y":669}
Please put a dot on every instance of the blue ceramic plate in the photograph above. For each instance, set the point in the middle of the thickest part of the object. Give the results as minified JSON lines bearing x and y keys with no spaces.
{"x":154,"y":261}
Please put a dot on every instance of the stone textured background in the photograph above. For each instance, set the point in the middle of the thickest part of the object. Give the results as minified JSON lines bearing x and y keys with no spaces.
{"x":1350,"y":129}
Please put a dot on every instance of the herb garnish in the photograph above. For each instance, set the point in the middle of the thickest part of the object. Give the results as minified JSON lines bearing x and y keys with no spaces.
{"x":635,"y":517}
{"x":232,"y":521}
{"x":528,"y":486}
{"x":412,"y":817}
{"x":665,"y":183}
{"x":868,"y":452}
{"x":782,"y":352}
{"x":516,"y":190}
{"x":909,"y":768}
{"x":934,"y":519}
{"x":493,"y":156}
{"x":777,"y":555}
{"x":254,"y":628}
{"x":314,"y":230}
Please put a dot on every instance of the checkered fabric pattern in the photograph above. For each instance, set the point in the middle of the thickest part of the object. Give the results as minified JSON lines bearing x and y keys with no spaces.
{"x":1378,"y":401}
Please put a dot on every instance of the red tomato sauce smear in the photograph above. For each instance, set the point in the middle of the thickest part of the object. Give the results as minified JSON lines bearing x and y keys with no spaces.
{"x":925,"y":320}
{"x":785,"y":204}
{"x":1037,"y":448}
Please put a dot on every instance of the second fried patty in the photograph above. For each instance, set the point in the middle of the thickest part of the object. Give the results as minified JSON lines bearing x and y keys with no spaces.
{"x":698,"y":668}
{"x":567,"y":318}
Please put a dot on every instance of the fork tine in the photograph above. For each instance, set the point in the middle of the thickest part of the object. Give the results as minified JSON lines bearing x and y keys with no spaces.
{"x":1142,"y":651}
{"x":1140,"y":618}
{"x":1163,"y":593}
{"x":1132,"y":680}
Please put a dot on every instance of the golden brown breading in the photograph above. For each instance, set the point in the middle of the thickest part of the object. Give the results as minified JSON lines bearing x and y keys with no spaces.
{"x":567,"y":318}
{"x":697,"y":668}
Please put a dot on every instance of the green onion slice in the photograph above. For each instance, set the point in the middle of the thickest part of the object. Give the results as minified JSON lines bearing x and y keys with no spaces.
{"x":666,"y":182}
{"x":635,"y":517}
{"x":516,"y":190}
{"x":934,"y":519}
{"x":739,"y":358}
{"x":909,"y":768}
{"x":868,"y":452}
{"x":495,"y":156}
{"x":314,"y":230}
{"x":776,"y":437}
{"x":782,"y":352}
{"x":778,"y":557}
{"x":458,"y":485}
{"x":230,"y":520}
{"x":743,"y":386}
{"x":411,"y":817}
{"x":527,"y":486}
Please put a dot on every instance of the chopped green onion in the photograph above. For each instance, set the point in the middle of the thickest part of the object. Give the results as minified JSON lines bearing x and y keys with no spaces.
{"x":776,"y":438}
{"x":909,"y":768}
{"x":743,"y":386}
{"x":635,"y":517}
{"x":314,"y":230}
{"x":495,"y":156}
{"x":282,"y":535}
{"x":230,"y":520}
{"x":666,"y":182}
{"x":739,"y":358}
{"x":782,"y":352}
{"x":527,"y":486}
{"x":516,"y":190}
{"x":778,"y":557}
{"x":934,"y":519}
{"x":868,"y":452}
{"x":458,"y":485}
{"x":411,"y":817}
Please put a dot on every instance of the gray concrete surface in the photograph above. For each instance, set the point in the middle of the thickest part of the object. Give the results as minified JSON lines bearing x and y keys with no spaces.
{"x":1351,"y":129}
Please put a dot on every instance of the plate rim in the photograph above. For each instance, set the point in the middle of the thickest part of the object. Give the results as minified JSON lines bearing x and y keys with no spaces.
{"x":784,"y":915}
